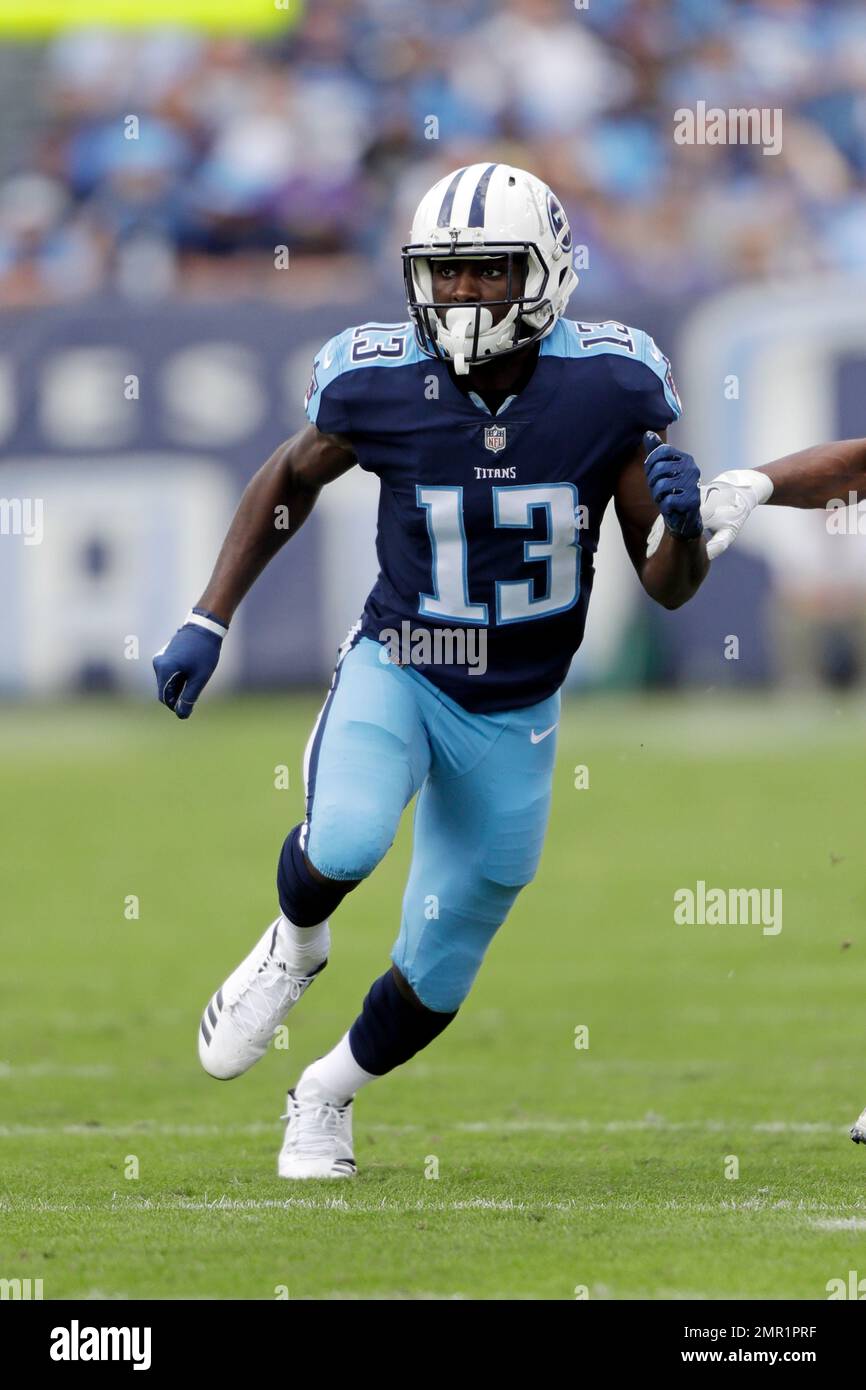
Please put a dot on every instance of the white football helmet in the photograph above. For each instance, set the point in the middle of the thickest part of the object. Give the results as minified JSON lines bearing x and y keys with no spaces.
{"x":481,"y":211}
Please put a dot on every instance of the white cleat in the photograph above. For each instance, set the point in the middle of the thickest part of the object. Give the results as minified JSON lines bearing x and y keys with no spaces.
{"x":858,"y":1130}
{"x":318,"y":1140}
{"x":247,"y":1009}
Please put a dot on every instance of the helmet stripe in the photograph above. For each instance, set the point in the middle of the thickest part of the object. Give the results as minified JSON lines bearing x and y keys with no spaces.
{"x":448,"y":201}
{"x":479,"y":197}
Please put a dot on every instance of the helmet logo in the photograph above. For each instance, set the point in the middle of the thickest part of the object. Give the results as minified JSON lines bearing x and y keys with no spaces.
{"x":494,"y":438}
{"x":558,"y":221}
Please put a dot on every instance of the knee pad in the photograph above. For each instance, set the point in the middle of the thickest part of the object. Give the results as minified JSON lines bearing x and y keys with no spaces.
{"x":443,"y":989}
{"x":348,"y":842}
{"x":512,"y":857}
{"x":303,"y":899}
{"x":441,"y":956}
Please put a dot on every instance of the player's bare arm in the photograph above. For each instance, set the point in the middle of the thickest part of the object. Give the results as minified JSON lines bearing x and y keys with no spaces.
{"x":275,"y":503}
{"x":674,"y":572}
{"x":285,"y":487}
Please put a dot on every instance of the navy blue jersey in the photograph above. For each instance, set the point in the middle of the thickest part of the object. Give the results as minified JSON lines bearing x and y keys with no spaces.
{"x":490,"y":522}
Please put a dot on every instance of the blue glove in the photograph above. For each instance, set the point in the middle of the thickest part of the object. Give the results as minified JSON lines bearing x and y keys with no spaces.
{"x":185,"y":664}
{"x":674,"y":482}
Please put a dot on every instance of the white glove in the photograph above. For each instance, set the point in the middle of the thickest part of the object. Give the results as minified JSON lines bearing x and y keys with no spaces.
{"x":726,"y":504}
{"x":728,"y":501}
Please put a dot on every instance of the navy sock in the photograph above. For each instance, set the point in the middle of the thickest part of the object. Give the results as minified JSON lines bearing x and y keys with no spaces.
{"x":390,"y":1029}
{"x":303,"y":899}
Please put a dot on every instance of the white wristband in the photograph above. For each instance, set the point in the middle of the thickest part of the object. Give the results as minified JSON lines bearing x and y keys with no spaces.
{"x":761,"y":485}
{"x":208,"y":623}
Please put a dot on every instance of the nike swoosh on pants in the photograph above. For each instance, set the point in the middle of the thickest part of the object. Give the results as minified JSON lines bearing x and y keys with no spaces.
{"x":536,"y":738}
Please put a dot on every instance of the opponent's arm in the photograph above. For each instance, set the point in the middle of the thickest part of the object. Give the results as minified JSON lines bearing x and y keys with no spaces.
{"x":813,"y":477}
{"x":276,"y":502}
{"x":664,"y":481}
{"x":810,"y":478}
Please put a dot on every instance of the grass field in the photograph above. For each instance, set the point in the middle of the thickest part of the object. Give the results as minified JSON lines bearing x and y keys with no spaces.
{"x":559,"y":1167}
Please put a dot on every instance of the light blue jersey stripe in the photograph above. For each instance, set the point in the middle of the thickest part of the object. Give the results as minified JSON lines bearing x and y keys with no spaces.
{"x":367,"y":345}
{"x":575,"y":338}
{"x":394,"y":345}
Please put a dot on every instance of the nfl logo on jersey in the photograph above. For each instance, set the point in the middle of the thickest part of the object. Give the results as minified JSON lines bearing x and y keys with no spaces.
{"x":494,"y":438}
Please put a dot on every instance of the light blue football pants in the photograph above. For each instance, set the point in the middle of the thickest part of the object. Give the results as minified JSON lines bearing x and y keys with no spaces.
{"x":484,"y":784}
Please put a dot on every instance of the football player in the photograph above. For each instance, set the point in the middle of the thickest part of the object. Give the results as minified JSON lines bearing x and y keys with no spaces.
{"x":499,"y":430}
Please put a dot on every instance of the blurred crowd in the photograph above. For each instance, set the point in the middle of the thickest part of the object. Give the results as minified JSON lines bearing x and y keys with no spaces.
{"x":323,"y":138}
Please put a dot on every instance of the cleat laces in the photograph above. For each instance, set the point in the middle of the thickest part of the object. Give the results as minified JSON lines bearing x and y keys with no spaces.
{"x":266,"y":995}
{"x":314,"y":1126}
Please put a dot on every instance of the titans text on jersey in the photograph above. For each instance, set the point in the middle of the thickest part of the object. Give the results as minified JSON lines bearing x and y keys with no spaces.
{"x":492,"y":521}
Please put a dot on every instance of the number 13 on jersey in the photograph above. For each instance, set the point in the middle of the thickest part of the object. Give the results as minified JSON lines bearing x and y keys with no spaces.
{"x":513,"y":508}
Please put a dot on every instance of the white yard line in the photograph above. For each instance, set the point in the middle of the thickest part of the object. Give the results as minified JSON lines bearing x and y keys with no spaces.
{"x":649,"y":1124}
{"x":130,"y":1204}
{"x":841,"y":1223}
{"x":145,"y":1130}
{"x":95,"y":1071}
{"x":240,"y":1204}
